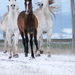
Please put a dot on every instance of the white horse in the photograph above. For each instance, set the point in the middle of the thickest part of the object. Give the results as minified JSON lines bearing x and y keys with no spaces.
{"x":3,"y":27}
{"x":9,"y":27}
{"x":45,"y":22}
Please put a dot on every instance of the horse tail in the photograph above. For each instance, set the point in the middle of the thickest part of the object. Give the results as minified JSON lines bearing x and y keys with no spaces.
{"x":53,"y":9}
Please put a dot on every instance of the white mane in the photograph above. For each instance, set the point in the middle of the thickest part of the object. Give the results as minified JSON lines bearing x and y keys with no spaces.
{"x":45,"y":23}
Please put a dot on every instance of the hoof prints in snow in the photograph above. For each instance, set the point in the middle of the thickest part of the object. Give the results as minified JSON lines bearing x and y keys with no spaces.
{"x":56,"y":65}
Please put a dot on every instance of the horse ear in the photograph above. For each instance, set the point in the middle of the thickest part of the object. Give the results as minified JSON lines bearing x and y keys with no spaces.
{"x":15,"y":0}
{"x":9,"y":0}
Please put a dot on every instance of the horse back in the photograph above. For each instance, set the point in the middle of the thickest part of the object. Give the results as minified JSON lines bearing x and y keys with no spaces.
{"x":4,"y":17}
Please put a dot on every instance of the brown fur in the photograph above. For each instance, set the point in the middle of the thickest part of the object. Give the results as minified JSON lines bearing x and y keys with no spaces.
{"x":28,"y":24}
{"x":51,"y":2}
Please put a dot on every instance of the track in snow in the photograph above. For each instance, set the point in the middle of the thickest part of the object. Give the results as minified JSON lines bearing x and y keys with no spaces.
{"x":55,"y":65}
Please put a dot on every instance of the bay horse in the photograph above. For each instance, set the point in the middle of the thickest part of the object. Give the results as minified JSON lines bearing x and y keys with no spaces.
{"x":45,"y":22}
{"x":10,"y":29}
{"x":28,"y":23}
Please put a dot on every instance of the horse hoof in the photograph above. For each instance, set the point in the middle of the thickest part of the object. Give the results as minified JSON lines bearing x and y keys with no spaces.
{"x":49,"y":55}
{"x":10,"y":57}
{"x":41,"y":52}
{"x":16,"y":55}
{"x":5,"y":51}
{"x":33,"y":57}
{"x":26,"y":55}
{"x":38,"y":55}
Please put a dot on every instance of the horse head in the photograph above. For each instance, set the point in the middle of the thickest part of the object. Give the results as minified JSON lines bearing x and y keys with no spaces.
{"x":45,"y":3}
{"x":12,"y":5}
{"x":42,"y":3}
{"x":28,"y":6}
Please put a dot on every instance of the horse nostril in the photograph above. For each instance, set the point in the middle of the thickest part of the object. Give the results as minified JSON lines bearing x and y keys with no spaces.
{"x":41,"y":4}
{"x":11,"y":5}
{"x":28,"y":11}
{"x":14,"y":5}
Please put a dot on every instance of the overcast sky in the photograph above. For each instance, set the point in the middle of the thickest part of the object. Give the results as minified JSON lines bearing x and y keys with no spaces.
{"x":64,"y":4}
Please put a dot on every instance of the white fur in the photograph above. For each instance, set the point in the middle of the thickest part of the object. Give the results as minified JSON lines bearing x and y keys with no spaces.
{"x":27,"y":4}
{"x":45,"y":24}
{"x":9,"y":27}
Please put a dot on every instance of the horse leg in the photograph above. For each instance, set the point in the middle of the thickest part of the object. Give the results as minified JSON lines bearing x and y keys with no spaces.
{"x":26,"y":44}
{"x":40,"y":41}
{"x":31,"y":45}
{"x":5,"y":44}
{"x":41,"y":44}
{"x":36,"y":43}
{"x":48,"y":42}
{"x":8,"y":37}
{"x":23,"y":40}
{"x":15,"y":43}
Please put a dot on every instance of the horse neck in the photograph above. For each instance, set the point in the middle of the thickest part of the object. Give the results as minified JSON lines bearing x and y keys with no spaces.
{"x":13,"y":13}
{"x":46,"y":10}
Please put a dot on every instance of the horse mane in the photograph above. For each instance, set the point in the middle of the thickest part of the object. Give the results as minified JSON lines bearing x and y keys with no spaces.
{"x":51,"y":2}
{"x":53,"y":8}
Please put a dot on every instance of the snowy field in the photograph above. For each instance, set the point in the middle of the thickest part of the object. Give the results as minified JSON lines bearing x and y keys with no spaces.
{"x":43,"y":65}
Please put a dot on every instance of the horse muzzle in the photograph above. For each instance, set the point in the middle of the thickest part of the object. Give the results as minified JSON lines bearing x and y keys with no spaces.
{"x":13,"y":6}
{"x":40,"y":5}
{"x":27,"y":12}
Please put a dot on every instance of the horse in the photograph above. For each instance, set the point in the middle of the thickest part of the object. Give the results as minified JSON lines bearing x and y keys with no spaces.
{"x":45,"y":22}
{"x":10,"y":29}
{"x":28,"y":23}
{"x":3,"y":27}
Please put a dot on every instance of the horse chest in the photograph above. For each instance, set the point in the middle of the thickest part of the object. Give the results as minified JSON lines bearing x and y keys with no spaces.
{"x":44,"y":25}
{"x":12,"y":24}
{"x":12,"y":20}
{"x":30,"y":23}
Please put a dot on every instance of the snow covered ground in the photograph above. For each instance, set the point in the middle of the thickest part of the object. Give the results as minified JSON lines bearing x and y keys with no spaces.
{"x":43,"y":65}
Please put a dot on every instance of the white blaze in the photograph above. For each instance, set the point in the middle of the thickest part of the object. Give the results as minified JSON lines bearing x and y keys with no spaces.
{"x":27,"y":4}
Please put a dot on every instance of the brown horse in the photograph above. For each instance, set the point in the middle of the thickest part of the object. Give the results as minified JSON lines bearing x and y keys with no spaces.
{"x":28,"y":23}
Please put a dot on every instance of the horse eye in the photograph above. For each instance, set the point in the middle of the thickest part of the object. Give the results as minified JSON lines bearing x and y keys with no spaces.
{"x":9,"y":0}
{"x":11,"y":5}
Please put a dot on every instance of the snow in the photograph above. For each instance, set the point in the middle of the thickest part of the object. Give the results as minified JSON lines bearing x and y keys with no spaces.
{"x":43,"y":65}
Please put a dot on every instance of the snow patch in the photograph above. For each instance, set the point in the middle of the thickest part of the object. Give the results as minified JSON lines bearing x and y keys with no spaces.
{"x":43,"y":65}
